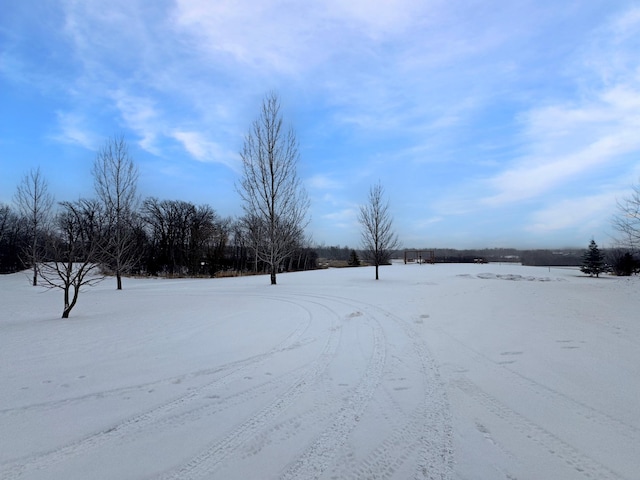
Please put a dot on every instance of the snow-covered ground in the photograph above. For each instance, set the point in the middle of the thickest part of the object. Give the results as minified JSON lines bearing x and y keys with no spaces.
{"x":435,"y":371}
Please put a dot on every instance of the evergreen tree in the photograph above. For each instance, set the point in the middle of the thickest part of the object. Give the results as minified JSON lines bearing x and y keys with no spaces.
{"x":592,"y":260}
{"x":354,"y":261}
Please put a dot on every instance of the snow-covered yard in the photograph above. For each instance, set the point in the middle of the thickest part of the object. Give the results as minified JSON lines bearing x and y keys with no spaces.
{"x":435,"y":371}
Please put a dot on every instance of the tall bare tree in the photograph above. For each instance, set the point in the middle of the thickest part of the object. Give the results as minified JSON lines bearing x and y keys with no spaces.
{"x":115,"y":178}
{"x":271,"y":191}
{"x":378,"y":238}
{"x":73,"y":249}
{"x":34,"y":203}
{"x":627,"y":220}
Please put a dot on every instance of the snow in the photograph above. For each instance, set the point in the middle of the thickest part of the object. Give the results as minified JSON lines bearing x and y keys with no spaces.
{"x":434,"y":371}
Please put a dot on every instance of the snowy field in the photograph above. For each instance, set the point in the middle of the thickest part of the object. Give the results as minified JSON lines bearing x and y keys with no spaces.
{"x":435,"y":371}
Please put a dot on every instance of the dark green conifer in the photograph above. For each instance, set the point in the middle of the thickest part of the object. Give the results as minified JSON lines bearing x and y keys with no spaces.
{"x":593,"y":260}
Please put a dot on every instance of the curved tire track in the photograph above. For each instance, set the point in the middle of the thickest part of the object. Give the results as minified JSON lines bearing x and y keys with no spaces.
{"x":316,"y":457}
{"x":425,"y":435}
{"x":553,"y":444}
{"x":586,"y":412}
{"x":208,"y":461}
{"x":16,"y":468}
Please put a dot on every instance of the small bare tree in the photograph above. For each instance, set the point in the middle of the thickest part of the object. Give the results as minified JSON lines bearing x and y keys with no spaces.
{"x":627,"y":221}
{"x":378,"y":239}
{"x":73,"y":249}
{"x":34,"y":203}
{"x":273,"y":197}
{"x":115,"y":180}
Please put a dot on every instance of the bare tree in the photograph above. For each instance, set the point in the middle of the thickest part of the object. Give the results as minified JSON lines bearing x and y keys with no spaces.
{"x":627,"y":221}
{"x":34,"y":203}
{"x":253,"y":234}
{"x":73,"y":249}
{"x":378,"y":238}
{"x":273,"y":197}
{"x":115,"y":180}
{"x":185,"y":238}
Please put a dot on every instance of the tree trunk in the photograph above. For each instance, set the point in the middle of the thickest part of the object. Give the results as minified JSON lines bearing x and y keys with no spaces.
{"x":119,"y":280}
{"x":273,"y":274}
{"x":377,"y":272}
{"x":35,"y":260}
{"x":67,"y":308}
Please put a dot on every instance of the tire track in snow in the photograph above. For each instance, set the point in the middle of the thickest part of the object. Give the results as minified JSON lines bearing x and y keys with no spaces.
{"x":435,"y":440}
{"x":317,"y":456}
{"x":577,"y":407}
{"x":212,"y":406}
{"x":427,"y":431}
{"x":16,"y":468}
{"x":325,"y":406}
{"x":209,"y":460}
{"x":289,"y":342}
{"x":389,"y":456}
{"x":54,"y":404}
{"x":550,"y":442}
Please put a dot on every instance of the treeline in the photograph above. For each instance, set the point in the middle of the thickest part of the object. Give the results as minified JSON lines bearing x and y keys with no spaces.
{"x":538,"y":257}
{"x":452,"y":255}
{"x":13,"y":238}
{"x":164,"y":238}
{"x":333,"y":252}
{"x":619,"y":261}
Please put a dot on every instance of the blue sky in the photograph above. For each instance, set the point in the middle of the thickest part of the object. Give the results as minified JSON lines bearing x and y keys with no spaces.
{"x":488,"y":123}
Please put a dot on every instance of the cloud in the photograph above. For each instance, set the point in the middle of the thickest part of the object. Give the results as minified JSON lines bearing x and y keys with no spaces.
{"x":205,"y":150}
{"x":345,"y":218}
{"x":583,"y":214}
{"x":563,"y":142}
{"x":141,"y":116}
{"x":288,"y":37}
{"x":421,"y":223}
{"x":324,"y":182}
{"x":73,"y":130}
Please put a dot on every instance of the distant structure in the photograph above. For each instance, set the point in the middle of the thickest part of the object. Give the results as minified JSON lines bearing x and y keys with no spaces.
{"x":420,"y":256}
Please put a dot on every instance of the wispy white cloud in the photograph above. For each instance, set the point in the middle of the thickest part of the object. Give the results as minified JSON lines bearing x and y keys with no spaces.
{"x":341,"y":218}
{"x":566,"y":141}
{"x":548,"y":168}
{"x":141,"y":116}
{"x":585,"y":214}
{"x":288,"y":36}
{"x":420,"y":224}
{"x":324,"y":182}
{"x":72,"y":129}
{"x":205,"y":150}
